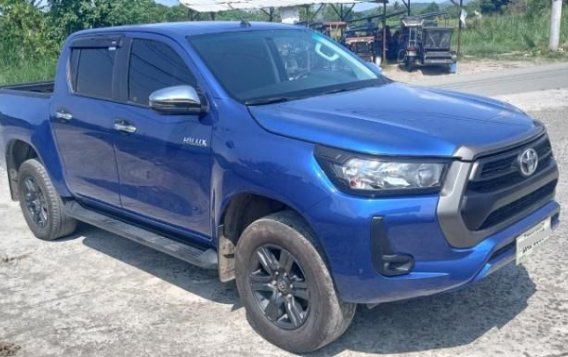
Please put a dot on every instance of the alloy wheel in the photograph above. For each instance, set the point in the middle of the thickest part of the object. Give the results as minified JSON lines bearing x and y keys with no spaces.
{"x":35,"y":201}
{"x":280,"y":287}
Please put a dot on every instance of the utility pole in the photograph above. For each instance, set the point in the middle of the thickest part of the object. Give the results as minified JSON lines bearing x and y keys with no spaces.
{"x":460,"y":27}
{"x":460,"y":22}
{"x":555,"y":24}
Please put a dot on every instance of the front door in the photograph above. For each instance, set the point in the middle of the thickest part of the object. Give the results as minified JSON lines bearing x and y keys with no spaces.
{"x":164,"y":161}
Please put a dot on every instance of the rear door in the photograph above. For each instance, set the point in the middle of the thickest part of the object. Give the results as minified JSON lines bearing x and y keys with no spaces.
{"x":164,"y":161}
{"x":82,"y":119}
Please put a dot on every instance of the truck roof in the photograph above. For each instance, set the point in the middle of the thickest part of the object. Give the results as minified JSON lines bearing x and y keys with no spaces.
{"x":190,"y":28}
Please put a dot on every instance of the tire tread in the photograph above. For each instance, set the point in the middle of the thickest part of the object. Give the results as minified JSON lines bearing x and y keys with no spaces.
{"x":338,"y":316}
{"x":60,"y":224}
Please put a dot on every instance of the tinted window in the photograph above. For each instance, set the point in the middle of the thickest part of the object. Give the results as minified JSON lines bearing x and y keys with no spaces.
{"x":93,"y":74}
{"x":154,"y":65}
{"x":257,"y":65}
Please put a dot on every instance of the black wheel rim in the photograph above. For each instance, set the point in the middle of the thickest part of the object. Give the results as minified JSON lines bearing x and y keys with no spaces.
{"x":279,"y":285}
{"x":36,"y":204}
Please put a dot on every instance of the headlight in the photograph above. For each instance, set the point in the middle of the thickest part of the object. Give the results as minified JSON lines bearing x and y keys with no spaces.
{"x":374,"y":176}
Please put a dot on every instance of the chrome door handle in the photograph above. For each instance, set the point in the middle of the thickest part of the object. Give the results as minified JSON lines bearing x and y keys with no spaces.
{"x":63,"y":116}
{"x":124,"y":126}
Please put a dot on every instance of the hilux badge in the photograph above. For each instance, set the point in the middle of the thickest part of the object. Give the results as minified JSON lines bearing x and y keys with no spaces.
{"x":528,"y":162}
{"x":195,"y":142}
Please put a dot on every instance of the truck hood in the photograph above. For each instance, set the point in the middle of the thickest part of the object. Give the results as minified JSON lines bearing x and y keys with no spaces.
{"x":397,"y":119}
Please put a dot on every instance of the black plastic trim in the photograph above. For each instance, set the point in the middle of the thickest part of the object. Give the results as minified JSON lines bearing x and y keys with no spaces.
{"x":472,"y":153}
{"x":98,"y":41}
{"x":477,"y":206}
{"x":43,"y":89}
{"x":452,"y":197}
{"x":205,"y":258}
{"x":385,"y":260}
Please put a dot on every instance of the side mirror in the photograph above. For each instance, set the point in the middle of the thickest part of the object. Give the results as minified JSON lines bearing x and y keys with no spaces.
{"x":177,"y":100}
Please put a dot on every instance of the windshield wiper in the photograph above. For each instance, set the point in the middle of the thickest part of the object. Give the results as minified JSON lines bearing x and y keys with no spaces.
{"x":338,"y":90}
{"x":353,"y":86}
{"x":269,"y":100}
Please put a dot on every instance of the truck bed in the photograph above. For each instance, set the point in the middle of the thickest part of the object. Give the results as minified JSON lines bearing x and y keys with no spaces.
{"x":44,"y":88}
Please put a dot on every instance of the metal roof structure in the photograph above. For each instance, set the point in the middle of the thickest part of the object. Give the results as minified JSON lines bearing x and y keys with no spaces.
{"x":224,"y":5}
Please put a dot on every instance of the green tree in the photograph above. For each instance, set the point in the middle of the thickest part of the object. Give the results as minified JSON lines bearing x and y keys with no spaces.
{"x":68,"y":16}
{"x":236,"y":15}
{"x":25,"y":34}
{"x":432,"y":7}
{"x":491,"y":6}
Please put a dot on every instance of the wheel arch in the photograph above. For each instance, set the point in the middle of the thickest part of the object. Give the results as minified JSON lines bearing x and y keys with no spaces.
{"x":17,"y":152}
{"x":239,"y":212}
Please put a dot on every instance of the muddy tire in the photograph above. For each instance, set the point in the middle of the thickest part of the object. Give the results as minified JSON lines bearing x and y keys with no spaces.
{"x":286,"y":287}
{"x":41,"y":205}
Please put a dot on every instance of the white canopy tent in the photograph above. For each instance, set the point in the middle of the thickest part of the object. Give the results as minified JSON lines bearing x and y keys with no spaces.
{"x":224,"y":5}
{"x":289,"y":9}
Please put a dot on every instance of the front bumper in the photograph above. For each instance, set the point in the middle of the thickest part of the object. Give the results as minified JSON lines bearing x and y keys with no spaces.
{"x":343,"y":225}
{"x":396,"y":248}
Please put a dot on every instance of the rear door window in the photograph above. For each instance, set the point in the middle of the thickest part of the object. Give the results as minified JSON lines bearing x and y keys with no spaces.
{"x":93,"y":71}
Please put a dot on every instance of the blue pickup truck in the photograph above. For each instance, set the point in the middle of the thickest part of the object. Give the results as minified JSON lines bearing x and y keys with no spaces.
{"x":277,"y":157}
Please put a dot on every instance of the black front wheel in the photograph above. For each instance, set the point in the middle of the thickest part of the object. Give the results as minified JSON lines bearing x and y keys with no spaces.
{"x":286,"y":287}
{"x":41,"y":205}
{"x":279,"y":285}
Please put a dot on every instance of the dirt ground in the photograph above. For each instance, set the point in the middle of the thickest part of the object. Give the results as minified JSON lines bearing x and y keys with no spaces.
{"x":465,"y":67}
{"x":97,"y":294}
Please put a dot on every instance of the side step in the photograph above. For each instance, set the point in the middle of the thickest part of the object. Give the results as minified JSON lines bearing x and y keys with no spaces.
{"x":206,"y":259}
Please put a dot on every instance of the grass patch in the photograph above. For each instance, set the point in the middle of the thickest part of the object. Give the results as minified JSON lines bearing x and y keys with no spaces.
{"x":27,"y":70}
{"x":517,"y":34}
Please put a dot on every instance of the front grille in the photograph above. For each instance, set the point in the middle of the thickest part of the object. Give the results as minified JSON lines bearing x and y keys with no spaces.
{"x":507,"y":161}
{"x":502,"y":170}
{"x":518,"y":206}
{"x":508,"y":179}
{"x":491,"y":195}
{"x":497,"y":167}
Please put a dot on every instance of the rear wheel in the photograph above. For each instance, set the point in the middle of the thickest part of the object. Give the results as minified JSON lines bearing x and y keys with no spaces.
{"x":41,"y":205}
{"x":286,"y":287}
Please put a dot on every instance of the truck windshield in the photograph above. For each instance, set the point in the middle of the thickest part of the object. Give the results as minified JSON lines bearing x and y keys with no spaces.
{"x":260,"y":67}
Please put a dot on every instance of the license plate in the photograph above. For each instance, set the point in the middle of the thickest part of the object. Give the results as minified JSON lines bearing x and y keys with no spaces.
{"x":532,"y":239}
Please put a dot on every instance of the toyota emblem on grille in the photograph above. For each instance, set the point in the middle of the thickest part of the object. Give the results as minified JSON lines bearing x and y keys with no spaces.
{"x":528,"y":162}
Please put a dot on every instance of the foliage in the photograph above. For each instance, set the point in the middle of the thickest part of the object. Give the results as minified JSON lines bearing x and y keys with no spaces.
{"x":68,"y":16}
{"x":41,"y":69}
{"x":432,"y":7}
{"x":518,"y":35}
{"x":244,"y":16}
{"x":33,"y":30}
{"x":25,"y":33}
{"x":491,"y":6}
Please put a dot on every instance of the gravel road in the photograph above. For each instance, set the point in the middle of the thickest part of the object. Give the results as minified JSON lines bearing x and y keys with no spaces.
{"x":96,"y":294}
